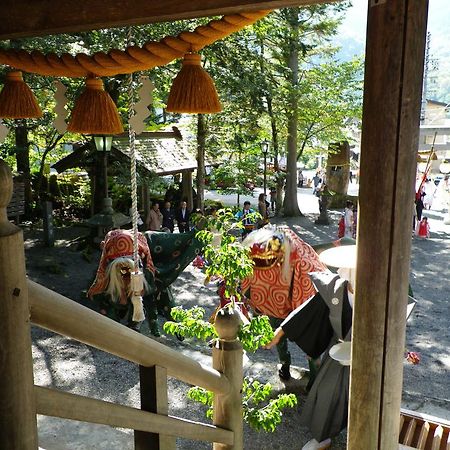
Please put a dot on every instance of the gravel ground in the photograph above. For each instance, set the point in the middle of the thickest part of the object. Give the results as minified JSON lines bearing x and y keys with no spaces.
{"x":77,"y":368}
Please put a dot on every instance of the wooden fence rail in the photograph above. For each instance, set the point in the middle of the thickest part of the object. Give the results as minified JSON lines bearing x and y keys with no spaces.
{"x":57,"y":313}
{"x":51,"y":402}
{"x":153,"y":428}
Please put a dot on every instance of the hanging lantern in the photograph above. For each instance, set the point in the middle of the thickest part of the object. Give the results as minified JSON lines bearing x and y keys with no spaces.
{"x":95,"y":111}
{"x":17,"y":101}
{"x":193,"y":90}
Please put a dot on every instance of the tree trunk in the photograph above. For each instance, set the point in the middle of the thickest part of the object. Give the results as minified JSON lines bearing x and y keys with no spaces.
{"x":47,"y":150}
{"x":201,"y":147}
{"x":291,"y":208}
{"x":23,"y":162}
{"x":276,"y":155}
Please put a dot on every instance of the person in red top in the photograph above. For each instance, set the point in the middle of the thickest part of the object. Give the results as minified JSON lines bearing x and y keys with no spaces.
{"x":423,"y":228}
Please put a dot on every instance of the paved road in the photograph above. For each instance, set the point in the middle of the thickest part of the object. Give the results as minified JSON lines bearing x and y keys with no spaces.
{"x":426,"y":386}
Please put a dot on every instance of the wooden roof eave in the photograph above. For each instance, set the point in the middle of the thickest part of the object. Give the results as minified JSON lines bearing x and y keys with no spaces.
{"x":22,"y":18}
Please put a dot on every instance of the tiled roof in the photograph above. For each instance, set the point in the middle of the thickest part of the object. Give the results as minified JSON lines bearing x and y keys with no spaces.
{"x":162,"y":153}
{"x":162,"y":156}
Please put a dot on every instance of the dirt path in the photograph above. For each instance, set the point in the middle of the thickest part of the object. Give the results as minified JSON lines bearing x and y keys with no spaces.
{"x":64,"y":364}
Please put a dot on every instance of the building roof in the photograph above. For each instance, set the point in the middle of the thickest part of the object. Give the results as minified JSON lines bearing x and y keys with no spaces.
{"x":161,"y":153}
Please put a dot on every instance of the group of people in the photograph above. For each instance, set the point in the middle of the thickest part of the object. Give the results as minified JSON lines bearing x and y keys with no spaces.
{"x":421,"y":227}
{"x":164,"y":219}
{"x":248,"y":218}
{"x":347,"y":223}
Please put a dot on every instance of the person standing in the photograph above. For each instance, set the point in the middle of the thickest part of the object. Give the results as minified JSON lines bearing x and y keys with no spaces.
{"x":248,"y":222}
{"x":348,"y":219}
{"x":316,"y":326}
{"x":262,"y":209}
{"x":273,"y":197}
{"x":316,"y":182}
{"x":423,"y":228}
{"x":301,"y":179}
{"x":183,"y":218}
{"x":419,"y":203}
{"x":168,"y":217}
{"x":154,"y":218}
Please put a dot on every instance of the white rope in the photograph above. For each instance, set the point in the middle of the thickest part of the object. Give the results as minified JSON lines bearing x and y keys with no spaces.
{"x":132,"y":141}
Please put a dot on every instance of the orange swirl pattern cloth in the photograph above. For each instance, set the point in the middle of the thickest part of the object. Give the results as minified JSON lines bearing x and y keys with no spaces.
{"x":119,"y":243}
{"x":274,"y":296}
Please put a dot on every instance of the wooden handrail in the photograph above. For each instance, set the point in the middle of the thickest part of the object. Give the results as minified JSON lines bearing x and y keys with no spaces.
{"x":57,"y":313}
{"x":51,"y":402}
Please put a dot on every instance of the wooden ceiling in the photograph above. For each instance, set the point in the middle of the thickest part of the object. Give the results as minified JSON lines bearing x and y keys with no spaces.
{"x":28,"y":18}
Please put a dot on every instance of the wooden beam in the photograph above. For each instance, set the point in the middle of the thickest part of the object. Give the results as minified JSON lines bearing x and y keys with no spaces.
{"x":18,"y":427}
{"x":51,"y":402}
{"x":22,"y":18}
{"x":153,"y":383}
{"x":395,"y":50}
{"x":57,"y":313}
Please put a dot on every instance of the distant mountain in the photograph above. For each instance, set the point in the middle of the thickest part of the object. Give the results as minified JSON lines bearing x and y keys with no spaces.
{"x":352,"y":40}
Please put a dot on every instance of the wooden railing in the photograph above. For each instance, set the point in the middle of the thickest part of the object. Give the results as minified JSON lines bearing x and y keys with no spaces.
{"x":22,"y":299}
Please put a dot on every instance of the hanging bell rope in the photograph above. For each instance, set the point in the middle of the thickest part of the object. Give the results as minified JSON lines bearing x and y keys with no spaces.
{"x":94,"y":111}
{"x":137,"y":277}
{"x":193,"y":90}
{"x":133,"y":59}
{"x":17,"y":101}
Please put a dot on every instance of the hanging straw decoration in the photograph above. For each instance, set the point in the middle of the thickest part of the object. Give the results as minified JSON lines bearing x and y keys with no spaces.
{"x":193,"y":90}
{"x":95,"y":111}
{"x":17,"y":101}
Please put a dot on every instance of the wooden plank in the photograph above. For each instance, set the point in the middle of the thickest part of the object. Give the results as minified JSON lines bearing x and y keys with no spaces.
{"x":390,"y":130}
{"x":51,"y":402}
{"x":402,"y":420}
{"x":427,"y":417}
{"x":437,"y":438}
{"x":423,"y":436}
{"x":407,"y":440}
{"x":57,"y":313}
{"x":153,"y":389}
{"x":18,"y":427}
{"x":22,"y":18}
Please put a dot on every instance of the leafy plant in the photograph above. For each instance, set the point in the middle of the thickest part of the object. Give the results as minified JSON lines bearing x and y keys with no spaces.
{"x":190,"y":323}
{"x":260,"y":417}
{"x":227,"y":259}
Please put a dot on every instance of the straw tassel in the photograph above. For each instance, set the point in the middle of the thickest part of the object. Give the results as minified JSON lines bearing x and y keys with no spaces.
{"x":193,"y":90}
{"x":17,"y":101}
{"x":95,"y":111}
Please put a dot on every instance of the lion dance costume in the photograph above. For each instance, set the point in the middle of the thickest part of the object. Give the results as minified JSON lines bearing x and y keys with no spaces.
{"x":280,"y":281}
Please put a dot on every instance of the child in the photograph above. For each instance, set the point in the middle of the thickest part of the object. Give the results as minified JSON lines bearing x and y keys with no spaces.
{"x":423,"y":228}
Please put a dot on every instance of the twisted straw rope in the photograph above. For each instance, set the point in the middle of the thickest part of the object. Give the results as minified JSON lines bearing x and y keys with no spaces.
{"x":133,"y":59}
{"x":132,"y":142}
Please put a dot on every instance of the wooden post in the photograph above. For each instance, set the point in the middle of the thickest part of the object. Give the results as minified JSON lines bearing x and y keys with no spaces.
{"x":18,"y":427}
{"x":391,"y":112}
{"x":186,"y":189}
{"x":153,"y":399}
{"x":227,"y":358}
{"x":145,"y":200}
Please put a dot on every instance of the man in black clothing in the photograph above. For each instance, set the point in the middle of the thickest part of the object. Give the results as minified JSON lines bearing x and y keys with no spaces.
{"x":168,"y":217}
{"x":183,"y":218}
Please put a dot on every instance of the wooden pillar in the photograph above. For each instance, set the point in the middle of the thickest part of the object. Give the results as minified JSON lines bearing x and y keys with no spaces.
{"x":145,"y":200}
{"x":391,"y":111}
{"x":201,"y":150}
{"x":153,"y":399}
{"x":186,"y":188}
{"x":18,"y":427}
{"x":227,"y":358}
